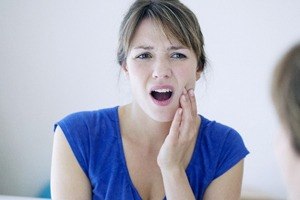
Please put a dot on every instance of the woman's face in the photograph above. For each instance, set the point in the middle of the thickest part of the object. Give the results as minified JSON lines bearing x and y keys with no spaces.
{"x":159,"y":69}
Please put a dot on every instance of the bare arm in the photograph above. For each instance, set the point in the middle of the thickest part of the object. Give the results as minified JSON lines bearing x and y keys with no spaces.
{"x":175,"y":153}
{"x":176,"y":185}
{"x":172,"y":160}
{"x":68,"y":181}
{"x":227,"y":186}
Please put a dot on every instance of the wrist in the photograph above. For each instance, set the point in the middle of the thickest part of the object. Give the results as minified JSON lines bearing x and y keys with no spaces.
{"x":176,"y":183}
{"x":172,"y":171}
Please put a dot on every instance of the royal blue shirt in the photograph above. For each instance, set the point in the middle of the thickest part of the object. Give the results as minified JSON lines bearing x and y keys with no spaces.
{"x":95,"y":139}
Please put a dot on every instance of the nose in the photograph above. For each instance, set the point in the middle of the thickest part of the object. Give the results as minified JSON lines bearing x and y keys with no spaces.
{"x":162,"y":70}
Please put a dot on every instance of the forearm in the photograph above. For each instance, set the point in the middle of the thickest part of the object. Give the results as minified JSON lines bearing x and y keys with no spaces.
{"x":176,"y":185}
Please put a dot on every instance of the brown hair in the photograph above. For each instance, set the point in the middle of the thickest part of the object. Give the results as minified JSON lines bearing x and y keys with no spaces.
{"x":286,"y":93}
{"x":174,"y":19}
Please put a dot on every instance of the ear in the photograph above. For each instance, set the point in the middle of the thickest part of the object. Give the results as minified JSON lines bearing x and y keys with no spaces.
{"x":198,"y":74}
{"x":125,"y":70}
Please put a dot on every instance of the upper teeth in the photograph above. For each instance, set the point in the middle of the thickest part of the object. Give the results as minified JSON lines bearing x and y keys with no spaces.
{"x":163,"y":90}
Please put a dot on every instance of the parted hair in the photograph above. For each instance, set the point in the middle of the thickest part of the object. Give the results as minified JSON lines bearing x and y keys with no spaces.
{"x":286,"y":93}
{"x":173,"y":18}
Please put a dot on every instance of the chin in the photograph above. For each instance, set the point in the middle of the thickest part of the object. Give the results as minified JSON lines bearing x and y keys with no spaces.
{"x":162,"y":116}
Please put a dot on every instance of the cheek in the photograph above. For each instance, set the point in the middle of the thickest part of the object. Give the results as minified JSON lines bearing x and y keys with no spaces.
{"x":187,"y":76}
{"x":138,"y":76}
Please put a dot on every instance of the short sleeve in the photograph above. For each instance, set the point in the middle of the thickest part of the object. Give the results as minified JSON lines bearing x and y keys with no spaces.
{"x":232,"y":151}
{"x":76,"y":132}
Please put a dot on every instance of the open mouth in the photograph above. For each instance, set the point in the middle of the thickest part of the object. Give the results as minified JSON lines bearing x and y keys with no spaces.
{"x":162,"y":94}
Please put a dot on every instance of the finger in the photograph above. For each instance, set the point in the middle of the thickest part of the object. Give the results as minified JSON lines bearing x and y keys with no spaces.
{"x":174,"y":130}
{"x":185,"y":103}
{"x":185,"y":100}
{"x":184,"y":91}
{"x":193,"y":102}
{"x":186,"y":115}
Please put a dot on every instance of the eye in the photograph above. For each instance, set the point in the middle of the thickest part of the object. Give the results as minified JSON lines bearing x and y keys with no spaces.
{"x":144,"y":56}
{"x":178,"y":56}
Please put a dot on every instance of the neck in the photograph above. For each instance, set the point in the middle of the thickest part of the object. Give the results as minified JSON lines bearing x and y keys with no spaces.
{"x":146,"y":127}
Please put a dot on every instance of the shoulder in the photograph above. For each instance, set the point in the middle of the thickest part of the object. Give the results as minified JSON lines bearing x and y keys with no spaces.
{"x":83,"y":129}
{"x":83,"y":132}
{"x":85,"y":119}
{"x":218,"y":148}
{"x":218,"y":133}
{"x":223,"y":145}
{"x":108,"y":113}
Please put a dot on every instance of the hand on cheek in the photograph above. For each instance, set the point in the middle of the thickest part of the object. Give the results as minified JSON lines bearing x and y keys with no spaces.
{"x":184,"y":129}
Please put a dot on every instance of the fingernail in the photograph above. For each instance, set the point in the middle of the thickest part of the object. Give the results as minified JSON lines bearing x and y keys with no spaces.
{"x":184,"y":98}
{"x":191,"y":92}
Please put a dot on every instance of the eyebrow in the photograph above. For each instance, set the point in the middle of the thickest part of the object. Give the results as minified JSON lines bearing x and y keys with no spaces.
{"x":169,"y":48}
{"x":176,"y":47}
{"x":144,"y":47}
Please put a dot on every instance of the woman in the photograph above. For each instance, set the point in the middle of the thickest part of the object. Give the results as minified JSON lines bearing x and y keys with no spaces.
{"x":157,"y":146}
{"x":286,"y":96}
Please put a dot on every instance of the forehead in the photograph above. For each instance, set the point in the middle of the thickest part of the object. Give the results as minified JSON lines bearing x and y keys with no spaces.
{"x":152,"y":32}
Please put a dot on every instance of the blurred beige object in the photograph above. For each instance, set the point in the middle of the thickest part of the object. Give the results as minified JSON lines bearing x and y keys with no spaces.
{"x":5,"y":197}
{"x":256,"y":194}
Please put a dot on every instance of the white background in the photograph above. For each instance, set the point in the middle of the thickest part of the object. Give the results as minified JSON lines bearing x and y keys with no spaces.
{"x":59,"y":56}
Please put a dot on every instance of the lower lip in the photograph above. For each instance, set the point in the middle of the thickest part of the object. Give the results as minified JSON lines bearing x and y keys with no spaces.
{"x":162,"y":103}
